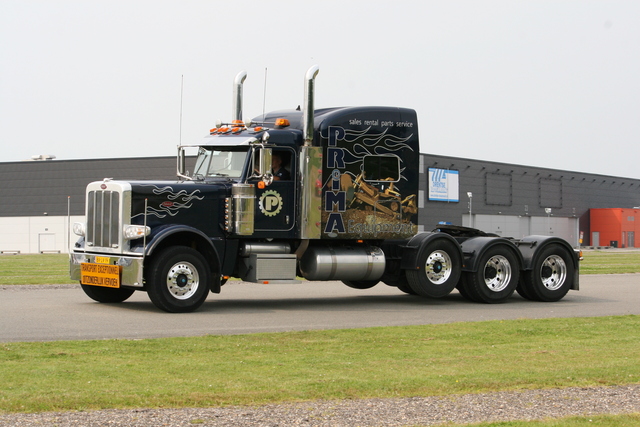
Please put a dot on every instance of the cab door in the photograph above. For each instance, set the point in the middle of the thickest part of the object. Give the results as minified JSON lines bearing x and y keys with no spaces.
{"x":275,"y":204}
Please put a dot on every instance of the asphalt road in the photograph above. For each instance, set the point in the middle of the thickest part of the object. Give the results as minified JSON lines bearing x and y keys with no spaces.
{"x":48,"y":313}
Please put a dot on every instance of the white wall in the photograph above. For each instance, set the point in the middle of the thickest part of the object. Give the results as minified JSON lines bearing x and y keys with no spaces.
{"x":30,"y":235}
{"x":520,"y":226}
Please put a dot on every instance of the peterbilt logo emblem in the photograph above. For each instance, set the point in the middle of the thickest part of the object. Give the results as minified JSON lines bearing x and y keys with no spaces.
{"x":270,"y":203}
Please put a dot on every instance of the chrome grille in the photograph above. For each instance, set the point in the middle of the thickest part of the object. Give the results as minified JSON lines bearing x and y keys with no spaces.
{"x":103,"y":219}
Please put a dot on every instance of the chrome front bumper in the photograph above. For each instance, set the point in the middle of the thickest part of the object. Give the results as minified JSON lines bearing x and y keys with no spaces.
{"x":132,"y":267}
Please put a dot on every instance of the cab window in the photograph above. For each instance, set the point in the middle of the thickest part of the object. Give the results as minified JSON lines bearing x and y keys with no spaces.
{"x":381,"y":168}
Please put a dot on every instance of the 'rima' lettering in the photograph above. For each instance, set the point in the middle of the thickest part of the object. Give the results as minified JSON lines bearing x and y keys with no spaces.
{"x":336,"y":133}
{"x":332,"y":200}
{"x":334,"y":223}
{"x":335,"y":157}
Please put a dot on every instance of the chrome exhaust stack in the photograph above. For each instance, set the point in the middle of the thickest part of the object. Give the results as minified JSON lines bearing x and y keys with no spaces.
{"x":307,"y":114}
{"x":310,"y":168}
{"x":237,"y":95}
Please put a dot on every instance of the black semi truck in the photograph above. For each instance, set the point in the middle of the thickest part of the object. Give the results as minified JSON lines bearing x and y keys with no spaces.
{"x":319,"y":194}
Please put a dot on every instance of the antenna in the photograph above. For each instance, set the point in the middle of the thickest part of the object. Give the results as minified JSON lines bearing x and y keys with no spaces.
{"x":264,"y":94}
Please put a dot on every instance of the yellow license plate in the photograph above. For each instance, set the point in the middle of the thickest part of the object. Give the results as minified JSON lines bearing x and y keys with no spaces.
{"x":100,"y":275}
{"x":102,"y":260}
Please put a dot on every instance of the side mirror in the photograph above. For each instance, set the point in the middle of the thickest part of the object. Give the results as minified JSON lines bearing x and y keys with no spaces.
{"x":264,"y":167}
{"x":264,"y":161}
{"x":181,"y":164}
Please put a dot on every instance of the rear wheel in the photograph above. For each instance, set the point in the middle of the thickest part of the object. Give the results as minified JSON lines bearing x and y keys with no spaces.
{"x":462,"y":289}
{"x":439,"y":270}
{"x":178,"y":279}
{"x":551,"y":276}
{"x":496,"y":278}
{"x":102,"y":294}
{"x":401,"y":283}
{"x":523,"y":289}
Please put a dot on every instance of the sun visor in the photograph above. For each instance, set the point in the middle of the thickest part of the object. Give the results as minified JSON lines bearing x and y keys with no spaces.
{"x":228,"y":140}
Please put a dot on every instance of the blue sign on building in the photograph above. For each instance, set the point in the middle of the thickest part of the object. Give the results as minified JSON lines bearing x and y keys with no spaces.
{"x":444,"y":185}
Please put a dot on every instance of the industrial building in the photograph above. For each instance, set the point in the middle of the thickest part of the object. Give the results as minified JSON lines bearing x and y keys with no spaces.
{"x":514,"y":201}
{"x":42,"y":199}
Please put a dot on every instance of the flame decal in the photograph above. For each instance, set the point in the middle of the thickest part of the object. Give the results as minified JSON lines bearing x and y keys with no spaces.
{"x":181,"y":200}
{"x":365,"y":143}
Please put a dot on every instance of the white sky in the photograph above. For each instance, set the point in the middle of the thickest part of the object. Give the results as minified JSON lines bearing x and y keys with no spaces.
{"x":542,"y":83}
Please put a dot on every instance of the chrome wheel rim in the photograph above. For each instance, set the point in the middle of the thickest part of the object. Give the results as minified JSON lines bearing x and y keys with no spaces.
{"x":553,"y":272}
{"x":438,"y":267}
{"x":497,"y":273}
{"x":183,"y":280}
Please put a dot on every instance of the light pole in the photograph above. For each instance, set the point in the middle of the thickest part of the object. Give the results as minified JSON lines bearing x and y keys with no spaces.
{"x":470,"y":195}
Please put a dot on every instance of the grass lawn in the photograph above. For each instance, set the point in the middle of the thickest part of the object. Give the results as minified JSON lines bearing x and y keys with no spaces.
{"x":338,"y":364}
{"x":34,"y":269}
{"x":610,"y":262}
{"x":341,"y":364}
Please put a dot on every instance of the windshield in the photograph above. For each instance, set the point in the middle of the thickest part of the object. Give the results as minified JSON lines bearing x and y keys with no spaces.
{"x":213,"y":163}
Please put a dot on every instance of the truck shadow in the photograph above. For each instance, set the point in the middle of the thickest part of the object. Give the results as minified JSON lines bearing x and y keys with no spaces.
{"x":390,"y":303}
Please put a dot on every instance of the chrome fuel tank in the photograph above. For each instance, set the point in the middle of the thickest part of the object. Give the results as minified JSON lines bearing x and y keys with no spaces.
{"x":342,"y":263}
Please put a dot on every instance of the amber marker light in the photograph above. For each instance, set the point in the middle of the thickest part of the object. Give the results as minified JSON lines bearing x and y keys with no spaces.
{"x":282,"y":123}
{"x":261,"y":185}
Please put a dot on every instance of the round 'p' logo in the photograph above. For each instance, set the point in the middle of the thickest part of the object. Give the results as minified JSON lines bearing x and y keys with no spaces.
{"x":270,"y":203}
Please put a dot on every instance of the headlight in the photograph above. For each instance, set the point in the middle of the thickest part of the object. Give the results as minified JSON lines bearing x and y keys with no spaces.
{"x":79,"y":228}
{"x":131,"y":232}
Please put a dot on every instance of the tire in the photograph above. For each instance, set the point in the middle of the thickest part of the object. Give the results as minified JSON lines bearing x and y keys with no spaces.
{"x":439,"y":270}
{"x":551,"y":276}
{"x":402,"y":284}
{"x":522,"y":289}
{"x":463,"y":289}
{"x":496,"y":278}
{"x":102,"y":294}
{"x":178,"y":280}
{"x":360,"y":284}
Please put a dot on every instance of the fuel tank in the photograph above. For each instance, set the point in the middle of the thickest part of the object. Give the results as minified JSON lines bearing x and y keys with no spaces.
{"x":342,"y":263}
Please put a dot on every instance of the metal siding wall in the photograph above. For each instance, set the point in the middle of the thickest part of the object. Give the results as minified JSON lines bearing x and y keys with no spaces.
{"x":498,"y":189}
{"x":502,"y":225}
{"x":35,"y":234}
{"x":579,"y":193}
{"x":520,"y":226}
{"x":573,"y":193}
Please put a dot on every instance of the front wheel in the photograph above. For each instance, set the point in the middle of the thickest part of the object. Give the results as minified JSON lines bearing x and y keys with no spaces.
{"x":551,"y":276}
{"x":178,"y":279}
{"x":102,"y":294}
{"x":440,"y":265}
